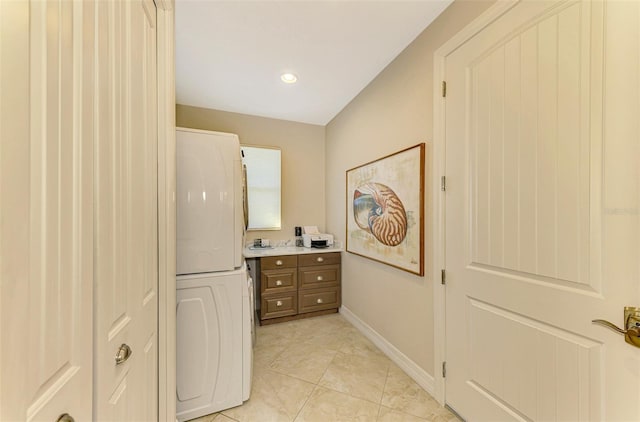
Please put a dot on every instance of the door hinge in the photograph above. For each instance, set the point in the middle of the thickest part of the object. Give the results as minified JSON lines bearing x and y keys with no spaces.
{"x":443,"y":277}
{"x":444,"y":88}
{"x":444,"y":369}
{"x":443,"y":183}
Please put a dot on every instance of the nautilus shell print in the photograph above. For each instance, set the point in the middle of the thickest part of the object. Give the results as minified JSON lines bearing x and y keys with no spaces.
{"x":378,"y":210}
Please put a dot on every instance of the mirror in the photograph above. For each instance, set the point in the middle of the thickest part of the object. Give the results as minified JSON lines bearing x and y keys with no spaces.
{"x":263,"y":187}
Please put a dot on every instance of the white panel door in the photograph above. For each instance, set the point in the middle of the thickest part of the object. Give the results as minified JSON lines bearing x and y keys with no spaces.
{"x":46,"y":223}
{"x":126,"y":266}
{"x":542,"y":213}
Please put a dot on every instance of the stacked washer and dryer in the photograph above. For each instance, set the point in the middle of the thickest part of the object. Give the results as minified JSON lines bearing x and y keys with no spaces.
{"x":215,"y":307}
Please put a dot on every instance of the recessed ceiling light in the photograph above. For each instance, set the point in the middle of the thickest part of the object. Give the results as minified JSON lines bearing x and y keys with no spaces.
{"x":289,"y":78}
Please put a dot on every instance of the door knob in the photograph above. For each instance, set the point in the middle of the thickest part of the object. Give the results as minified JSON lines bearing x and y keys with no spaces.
{"x":631,"y":331}
{"x":65,"y":417}
{"x":123,"y":353}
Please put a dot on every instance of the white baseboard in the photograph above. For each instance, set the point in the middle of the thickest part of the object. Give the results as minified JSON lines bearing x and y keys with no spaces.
{"x":419,"y":375}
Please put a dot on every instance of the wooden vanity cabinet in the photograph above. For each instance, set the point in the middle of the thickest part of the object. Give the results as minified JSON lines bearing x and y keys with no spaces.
{"x":299,"y":286}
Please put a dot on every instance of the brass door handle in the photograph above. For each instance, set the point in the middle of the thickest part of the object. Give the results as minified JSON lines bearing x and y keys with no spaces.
{"x":610,"y":325}
{"x":65,"y":417}
{"x":631,"y":331}
{"x":123,"y":353}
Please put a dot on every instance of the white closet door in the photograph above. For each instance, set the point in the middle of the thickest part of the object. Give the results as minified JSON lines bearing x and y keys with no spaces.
{"x":46,"y":214}
{"x":126,"y":212}
{"x":542,"y":213}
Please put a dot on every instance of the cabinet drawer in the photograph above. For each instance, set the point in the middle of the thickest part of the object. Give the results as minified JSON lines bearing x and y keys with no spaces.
{"x":279,"y":305}
{"x":328,"y":258}
{"x":275,"y":262}
{"x":319,"y":276}
{"x":272,"y":281}
{"x":318,"y":299}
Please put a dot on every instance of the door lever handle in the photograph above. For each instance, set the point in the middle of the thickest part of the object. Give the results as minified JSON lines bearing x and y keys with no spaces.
{"x":613,"y":326}
{"x":631,"y":331}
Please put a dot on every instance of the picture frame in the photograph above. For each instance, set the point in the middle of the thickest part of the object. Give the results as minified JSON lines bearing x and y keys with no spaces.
{"x":385,"y":210}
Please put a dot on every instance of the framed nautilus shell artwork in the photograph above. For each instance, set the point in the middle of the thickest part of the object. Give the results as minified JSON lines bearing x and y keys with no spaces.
{"x":385,"y":210}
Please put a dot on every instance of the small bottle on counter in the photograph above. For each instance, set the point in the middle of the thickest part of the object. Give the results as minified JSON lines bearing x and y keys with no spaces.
{"x":298,"y":231}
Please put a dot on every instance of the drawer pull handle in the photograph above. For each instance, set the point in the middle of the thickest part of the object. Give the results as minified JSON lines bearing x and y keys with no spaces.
{"x":319,"y":278}
{"x":279,"y":303}
{"x":279,"y":262}
{"x":319,"y":300}
{"x":320,"y":259}
{"x":278,"y":282}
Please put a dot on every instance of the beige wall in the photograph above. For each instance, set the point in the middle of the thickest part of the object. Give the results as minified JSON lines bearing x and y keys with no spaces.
{"x":303,"y":161}
{"x":392,"y":113}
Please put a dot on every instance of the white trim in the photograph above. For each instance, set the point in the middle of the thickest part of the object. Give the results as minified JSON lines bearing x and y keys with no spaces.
{"x":419,"y":375}
{"x":439,"y":169}
{"x":439,"y":333}
{"x":3,"y":36}
{"x":166,"y":212}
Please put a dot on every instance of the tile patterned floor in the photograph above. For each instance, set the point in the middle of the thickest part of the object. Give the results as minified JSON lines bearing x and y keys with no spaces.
{"x":323,"y":370}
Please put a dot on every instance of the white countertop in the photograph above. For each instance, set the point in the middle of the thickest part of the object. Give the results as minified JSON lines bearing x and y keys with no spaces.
{"x":250,"y":252}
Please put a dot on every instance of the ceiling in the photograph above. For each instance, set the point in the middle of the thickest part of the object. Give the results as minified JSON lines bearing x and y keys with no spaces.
{"x":230,"y":54}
